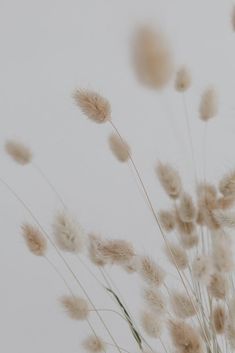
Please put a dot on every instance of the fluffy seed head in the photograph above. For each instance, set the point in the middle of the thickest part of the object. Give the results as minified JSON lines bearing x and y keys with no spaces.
{"x":218,"y":286}
{"x":183,"y":227}
{"x":167,"y":220}
{"x":177,"y":256}
{"x":152,"y":58}
{"x":209,"y":105}
{"x":76,"y":307}
{"x":169,"y":179}
{"x":119,"y":147}
{"x":188,"y":241}
{"x":117,"y":251}
{"x":34,"y":239}
{"x":151,"y":272}
{"x":69,"y":235}
{"x":219,"y":316}
{"x":155,"y":300}
{"x":132,"y":265}
{"x":151,"y":324}
{"x":18,"y":152}
{"x":222,"y":252}
{"x":183,"y":80}
{"x":227,"y":184}
{"x":225,"y":202}
{"x":187,"y":210}
{"x":202,"y":268}
{"x":94,"y":344}
{"x":185,"y":337}
{"x":183,"y":306}
{"x":95,"y":255}
{"x":93,"y":105}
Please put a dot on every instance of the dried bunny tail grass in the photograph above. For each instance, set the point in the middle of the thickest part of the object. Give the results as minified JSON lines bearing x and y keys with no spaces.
{"x":117,"y":251}
{"x":185,"y":337}
{"x":152,"y":59}
{"x":94,"y":344}
{"x":151,"y":272}
{"x":188,"y":241}
{"x":177,"y":255}
{"x":205,"y":332}
{"x":202,"y":268}
{"x":69,"y":235}
{"x":207,"y":203}
{"x":167,"y":220}
{"x":93,"y":105}
{"x":209,"y":104}
{"x":96,"y":257}
{"x":18,"y":152}
{"x":132,"y":265}
{"x":186,"y":228}
{"x":222,"y":252}
{"x":155,"y":300}
{"x":187,"y":210}
{"x":151,"y":324}
{"x":225,"y":202}
{"x":169,"y":179}
{"x":34,"y":239}
{"x":218,"y":286}
{"x":183,"y":80}
{"x":219,"y":317}
{"x":227,"y":184}
{"x":120,"y":148}
{"x":76,"y":307}
{"x":182,"y":305}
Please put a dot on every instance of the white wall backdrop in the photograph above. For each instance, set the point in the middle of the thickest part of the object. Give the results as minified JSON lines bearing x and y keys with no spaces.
{"x":50,"y":47}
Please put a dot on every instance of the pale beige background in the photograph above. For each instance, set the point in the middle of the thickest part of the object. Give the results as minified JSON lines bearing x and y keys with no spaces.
{"x":48,"y":48}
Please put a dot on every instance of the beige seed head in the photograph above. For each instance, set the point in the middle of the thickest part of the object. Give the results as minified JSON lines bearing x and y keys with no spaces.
{"x":188,"y":241}
{"x":227,"y":184}
{"x":185,"y":337}
{"x":177,"y":255}
{"x":76,"y":307}
{"x":152,"y":324}
{"x":18,"y":152}
{"x":209,"y":104}
{"x":117,"y":251}
{"x":202,"y":268}
{"x":222,"y":252}
{"x":95,"y":255}
{"x":155,"y":300}
{"x":93,"y":105}
{"x":152,"y":58}
{"x":218,"y":286}
{"x":219,"y":317}
{"x":94,"y":344}
{"x":225,"y":202}
{"x":169,"y":179}
{"x":183,"y":306}
{"x":186,"y":228}
{"x":167,"y":220}
{"x":187,"y":210}
{"x":119,"y":147}
{"x":151,"y":272}
{"x":68,"y":233}
{"x":183,"y":80}
{"x":34,"y":239}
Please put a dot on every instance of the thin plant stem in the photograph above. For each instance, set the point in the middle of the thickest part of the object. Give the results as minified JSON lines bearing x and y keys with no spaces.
{"x":47,"y":180}
{"x":156,"y":219}
{"x":60,"y":256}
